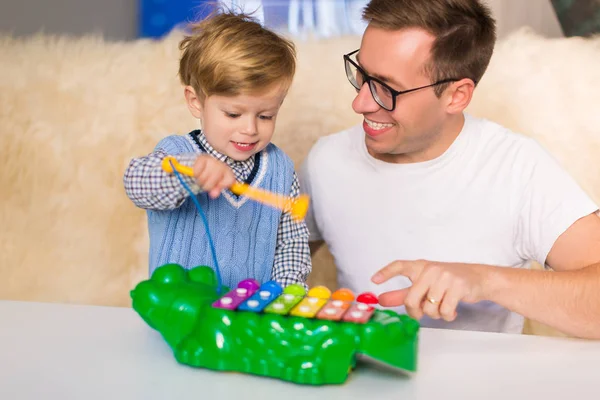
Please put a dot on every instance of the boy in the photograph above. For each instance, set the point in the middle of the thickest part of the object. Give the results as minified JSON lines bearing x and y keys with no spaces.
{"x":236,"y":75}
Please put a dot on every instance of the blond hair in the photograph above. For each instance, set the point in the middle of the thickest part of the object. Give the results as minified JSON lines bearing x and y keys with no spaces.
{"x":464,"y":29}
{"x":231,"y":54}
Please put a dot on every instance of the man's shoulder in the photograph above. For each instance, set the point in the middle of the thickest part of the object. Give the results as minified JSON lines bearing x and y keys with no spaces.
{"x":497,"y":138}
{"x":510,"y":151}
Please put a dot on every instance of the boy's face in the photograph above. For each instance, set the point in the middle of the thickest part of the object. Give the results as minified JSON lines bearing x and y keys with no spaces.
{"x":238,"y":126}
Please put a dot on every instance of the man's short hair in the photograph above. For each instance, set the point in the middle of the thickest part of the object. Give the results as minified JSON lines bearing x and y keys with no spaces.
{"x":465,"y":33}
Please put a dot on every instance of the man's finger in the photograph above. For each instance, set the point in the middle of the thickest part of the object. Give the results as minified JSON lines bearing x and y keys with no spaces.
{"x":439,"y":284}
{"x":405,"y":268}
{"x":393,"y":299}
{"x":450,"y":303}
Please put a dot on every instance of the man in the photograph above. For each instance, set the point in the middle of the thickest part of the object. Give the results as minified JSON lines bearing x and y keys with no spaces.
{"x":441,"y":211}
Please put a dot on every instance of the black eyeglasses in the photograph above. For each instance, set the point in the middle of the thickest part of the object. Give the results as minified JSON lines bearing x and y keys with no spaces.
{"x":383,"y":95}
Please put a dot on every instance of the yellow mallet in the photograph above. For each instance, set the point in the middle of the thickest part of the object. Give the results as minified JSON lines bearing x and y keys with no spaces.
{"x":298,"y":207}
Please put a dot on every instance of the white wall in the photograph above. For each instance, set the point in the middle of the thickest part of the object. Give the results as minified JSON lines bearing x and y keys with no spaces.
{"x":115,"y":19}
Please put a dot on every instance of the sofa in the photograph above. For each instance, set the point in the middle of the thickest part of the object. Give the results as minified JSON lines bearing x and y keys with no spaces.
{"x":75,"y":110}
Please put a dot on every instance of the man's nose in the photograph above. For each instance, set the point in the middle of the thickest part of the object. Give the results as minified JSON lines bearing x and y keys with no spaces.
{"x":363,"y":102}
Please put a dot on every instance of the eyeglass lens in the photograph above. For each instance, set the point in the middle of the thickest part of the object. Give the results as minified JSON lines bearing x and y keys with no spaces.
{"x":381,"y":94}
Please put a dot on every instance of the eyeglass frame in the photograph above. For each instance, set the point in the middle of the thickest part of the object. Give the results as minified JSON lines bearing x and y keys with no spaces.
{"x":395,"y":93}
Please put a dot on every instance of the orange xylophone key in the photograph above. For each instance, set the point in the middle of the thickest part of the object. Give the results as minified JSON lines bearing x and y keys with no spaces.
{"x":361,"y":311}
{"x":335,"y":308}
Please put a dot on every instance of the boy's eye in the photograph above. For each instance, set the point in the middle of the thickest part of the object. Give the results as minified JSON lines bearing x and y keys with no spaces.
{"x":267,"y":117}
{"x":232,"y":115}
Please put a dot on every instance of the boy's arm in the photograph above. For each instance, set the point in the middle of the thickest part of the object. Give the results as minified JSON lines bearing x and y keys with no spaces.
{"x":151,"y":188}
{"x":292,"y":262}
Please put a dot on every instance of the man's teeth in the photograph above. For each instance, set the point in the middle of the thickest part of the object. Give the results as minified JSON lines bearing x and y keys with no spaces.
{"x":377,"y":125}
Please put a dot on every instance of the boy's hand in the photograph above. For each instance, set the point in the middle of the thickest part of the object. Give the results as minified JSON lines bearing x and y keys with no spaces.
{"x":212,"y":175}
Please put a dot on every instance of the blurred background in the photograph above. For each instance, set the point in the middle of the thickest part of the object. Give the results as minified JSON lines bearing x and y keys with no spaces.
{"x":130,"y":19}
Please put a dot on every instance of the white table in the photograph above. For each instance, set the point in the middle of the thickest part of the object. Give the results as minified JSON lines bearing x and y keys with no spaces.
{"x":51,"y":351}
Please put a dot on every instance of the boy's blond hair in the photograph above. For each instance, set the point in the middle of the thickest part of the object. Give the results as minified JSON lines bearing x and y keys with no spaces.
{"x":231,"y":54}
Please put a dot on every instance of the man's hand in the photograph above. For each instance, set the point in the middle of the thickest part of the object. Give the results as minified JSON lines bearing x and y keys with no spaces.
{"x":212,"y":175}
{"x":436,"y":289}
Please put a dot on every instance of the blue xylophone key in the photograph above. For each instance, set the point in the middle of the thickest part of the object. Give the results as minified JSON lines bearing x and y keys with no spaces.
{"x":267,"y":292}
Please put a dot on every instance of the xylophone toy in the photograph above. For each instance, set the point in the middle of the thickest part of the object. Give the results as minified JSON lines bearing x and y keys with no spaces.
{"x":308,"y":338}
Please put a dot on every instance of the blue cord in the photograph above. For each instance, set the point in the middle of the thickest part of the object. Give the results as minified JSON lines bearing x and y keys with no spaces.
{"x":210,"y":241}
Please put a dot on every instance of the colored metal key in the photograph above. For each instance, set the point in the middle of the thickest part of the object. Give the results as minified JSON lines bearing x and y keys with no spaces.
{"x":231,"y":300}
{"x":335,"y":308}
{"x":291,"y":296}
{"x":361,"y":311}
{"x":267,"y":292}
{"x":312,"y":303}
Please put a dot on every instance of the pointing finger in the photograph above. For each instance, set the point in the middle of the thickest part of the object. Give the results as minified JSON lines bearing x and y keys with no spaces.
{"x":393,"y":298}
{"x":404,"y":268}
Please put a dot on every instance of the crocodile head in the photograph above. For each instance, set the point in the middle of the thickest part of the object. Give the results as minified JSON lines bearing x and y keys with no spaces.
{"x":172,"y":300}
{"x":390,"y":339}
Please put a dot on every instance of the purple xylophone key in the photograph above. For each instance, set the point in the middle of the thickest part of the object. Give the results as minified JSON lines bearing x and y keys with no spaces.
{"x":231,"y":300}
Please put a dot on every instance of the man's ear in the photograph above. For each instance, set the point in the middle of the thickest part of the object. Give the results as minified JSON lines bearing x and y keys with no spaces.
{"x":459,"y":95}
{"x":194,"y":102}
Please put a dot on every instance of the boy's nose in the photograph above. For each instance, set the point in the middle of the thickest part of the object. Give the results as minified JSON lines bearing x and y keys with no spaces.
{"x":250,"y":126}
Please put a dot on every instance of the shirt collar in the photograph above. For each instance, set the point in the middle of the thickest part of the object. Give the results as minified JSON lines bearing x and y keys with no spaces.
{"x":241,"y":169}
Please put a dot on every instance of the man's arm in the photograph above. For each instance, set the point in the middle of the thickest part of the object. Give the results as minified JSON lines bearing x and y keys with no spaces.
{"x":567,"y":299}
{"x":555,"y":223}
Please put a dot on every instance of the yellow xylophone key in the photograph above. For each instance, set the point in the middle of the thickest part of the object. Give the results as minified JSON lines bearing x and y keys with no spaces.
{"x":312,"y":303}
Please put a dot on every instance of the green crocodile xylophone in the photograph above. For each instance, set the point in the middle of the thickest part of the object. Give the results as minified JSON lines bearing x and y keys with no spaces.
{"x":311,"y":338}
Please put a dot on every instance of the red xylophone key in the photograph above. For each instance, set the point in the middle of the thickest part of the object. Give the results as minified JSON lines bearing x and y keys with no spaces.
{"x":361,"y":311}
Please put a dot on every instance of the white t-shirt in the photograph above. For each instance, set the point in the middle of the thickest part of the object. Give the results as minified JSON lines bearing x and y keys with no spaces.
{"x":494,"y":197}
